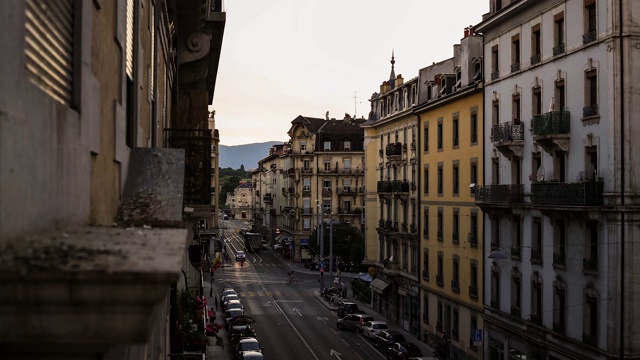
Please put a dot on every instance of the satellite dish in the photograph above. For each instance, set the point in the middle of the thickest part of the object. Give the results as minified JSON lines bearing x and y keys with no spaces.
{"x":540,"y":173}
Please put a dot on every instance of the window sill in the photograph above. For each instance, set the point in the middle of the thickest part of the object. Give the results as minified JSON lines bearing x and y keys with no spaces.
{"x":591,"y":120}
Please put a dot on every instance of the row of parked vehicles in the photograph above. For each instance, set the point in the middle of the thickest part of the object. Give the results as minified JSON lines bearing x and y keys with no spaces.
{"x":344,"y":266}
{"x":390,"y":342}
{"x":242,"y":337}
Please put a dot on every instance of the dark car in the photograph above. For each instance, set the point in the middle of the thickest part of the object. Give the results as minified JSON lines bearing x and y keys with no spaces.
{"x":384,"y":339}
{"x":354,"y":322}
{"x":404,"y":351}
{"x":348,"y":307}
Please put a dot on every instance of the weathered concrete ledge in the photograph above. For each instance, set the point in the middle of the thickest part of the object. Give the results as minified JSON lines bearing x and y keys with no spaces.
{"x":91,"y":285}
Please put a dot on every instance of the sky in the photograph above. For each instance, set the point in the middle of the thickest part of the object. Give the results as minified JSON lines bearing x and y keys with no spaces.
{"x":284,"y":58}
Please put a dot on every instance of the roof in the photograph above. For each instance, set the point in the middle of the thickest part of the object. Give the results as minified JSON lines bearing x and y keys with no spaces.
{"x":311,"y":123}
{"x":244,"y":186}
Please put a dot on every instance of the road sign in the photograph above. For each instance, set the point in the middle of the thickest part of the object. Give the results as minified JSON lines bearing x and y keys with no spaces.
{"x":477,"y":337}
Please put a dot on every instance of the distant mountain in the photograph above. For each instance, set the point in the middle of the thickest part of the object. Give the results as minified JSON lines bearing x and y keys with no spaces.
{"x":248,"y":154}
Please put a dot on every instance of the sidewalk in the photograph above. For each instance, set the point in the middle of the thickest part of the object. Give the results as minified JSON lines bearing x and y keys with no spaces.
{"x":216,"y":351}
{"x":299,"y":268}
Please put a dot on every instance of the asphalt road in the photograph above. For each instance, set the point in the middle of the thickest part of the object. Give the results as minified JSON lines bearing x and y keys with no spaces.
{"x":290,"y":322}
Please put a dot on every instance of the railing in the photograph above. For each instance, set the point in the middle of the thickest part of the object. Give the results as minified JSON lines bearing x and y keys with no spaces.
{"x":197,"y":177}
{"x":515,"y":67}
{"x":507,"y":132}
{"x":495,"y":75}
{"x":552,"y":123}
{"x":589,"y":37}
{"x":499,"y":194}
{"x":394,"y":149}
{"x":306,"y":170}
{"x":394,"y":186}
{"x":558,"y":49}
{"x":591,"y":110}
{"x":590,"y":264}
{"x":535,"y":319}
{"x":439,"y":280}
{"x":535,"y":59}
{"x":585,"y":193}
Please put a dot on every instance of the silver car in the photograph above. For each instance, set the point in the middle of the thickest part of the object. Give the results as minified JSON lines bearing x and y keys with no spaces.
{"x":372,"y":328}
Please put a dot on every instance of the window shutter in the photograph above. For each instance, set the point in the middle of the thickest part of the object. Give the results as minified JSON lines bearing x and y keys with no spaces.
{"x":49,"y":39}
{"x":129,"y":40}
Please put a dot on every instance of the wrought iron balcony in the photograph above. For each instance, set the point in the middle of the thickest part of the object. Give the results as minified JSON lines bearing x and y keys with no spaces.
{"x":439,"y":280}
{"x":394,"y":149}
{"x":536,"y":59}
{"x":590,"y":110}
{"x":473,"y":291}
{"x":584,"y":193}
{"x":394,"y":186}
{"x":508,"y":138}
{"x":551,"y":123}
{"x":558,"y":49}
{"x":589,"y":37}
{"x":197,"y":146}
{"x":515,"y":67}
{"x":495,"y":75}
{"x":499,"y":194}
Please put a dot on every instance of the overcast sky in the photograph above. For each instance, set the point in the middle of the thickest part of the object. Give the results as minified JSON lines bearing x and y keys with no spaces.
{"x":284,"y":58}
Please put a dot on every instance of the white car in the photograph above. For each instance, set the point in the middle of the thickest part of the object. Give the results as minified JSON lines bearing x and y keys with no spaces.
{"x":372,"y":328}
{"x":277,"y":247}
{"x":241,"y":256}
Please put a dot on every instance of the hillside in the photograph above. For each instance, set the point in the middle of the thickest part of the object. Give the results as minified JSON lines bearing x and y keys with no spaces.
{"x":248,"y":154}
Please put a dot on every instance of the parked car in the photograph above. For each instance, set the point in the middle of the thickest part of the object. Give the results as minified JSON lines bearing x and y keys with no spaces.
{"x":229,"y":315}
{"x":372,"y":328}
{"x":227,"y":291}
{"x":277,"y":247}
{"x":405,"y":351}
{"x":241,"y":256}
{"x":386,"y":338}
{"x":354,"y":322}
{"x":252,"y":355}
{"x":247,"y":344}
{"x":348,"y":307}
{"x":233,"y":304}
{"x":229,"y":297}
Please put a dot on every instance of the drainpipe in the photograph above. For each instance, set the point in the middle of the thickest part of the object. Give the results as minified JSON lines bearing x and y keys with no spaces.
{"x":622,"y":233}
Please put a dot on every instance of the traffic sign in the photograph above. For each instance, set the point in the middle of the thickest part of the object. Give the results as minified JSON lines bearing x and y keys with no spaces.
{"x":477,"y":337}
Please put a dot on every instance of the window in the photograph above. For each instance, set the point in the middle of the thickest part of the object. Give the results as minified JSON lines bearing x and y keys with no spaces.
{"x":455,"y":226}
{"x":473,"y":176}
{"x":590,"y":262}
{"x":347,"y":145}
{"x":495,"y":233}
{"x":536,"y":299}
{"x":426,"y":180}
{"x":495,"y":171}
{"x":474,"y":326}
{"x":455,"y":280}
{"x":560,"y":166}
{"x":559,"y":99}
{"x":455,"y":131}
{"x":591,"y":94}
{"x":590,"y":26}
{"x":426,"y":137}
{"x":413,"y":94}
{"x":456,"y":179}
{"x":495,"y":288}
{"x":473,"y":279}
{"x":425,"y":308}
{"x":473,"y":224}
{"x":440,"y":320}
{"x":495,"y":113}
{"x":454,"y":324}
{"x":536,"y":46}
{"x":558,"y":34}
{"x":536,"y":241}
{"x":590,"y":317}
{"x":440,"y":276}
{"x":303,"y":146}
{"x":440,"y":225}
{"x":306,"y":164}
{"x":536,"y":162}
{"x":326,"y":184}
{"x":494,"y":63}
{"x":516,"y":236}
{"x":306,"y":224}
{"x":536,"y":101}
{"x":346,"y":164}
{"x":306,"y":184}
{"x":440,"y":139}
{"x":327,"y":145}
{"x":559,"y":307}
{"x":497,"y":5}
{"x":474,"y":128}
{"x":515,"y":108}
{"x":440,"y":179}
{"x":559,"y":242}
{"x":327,"y":165}
{"x":516,"y":293}
{"x":515,"y":53}
{"x":425,"y":224}
{"x":425,"y":264}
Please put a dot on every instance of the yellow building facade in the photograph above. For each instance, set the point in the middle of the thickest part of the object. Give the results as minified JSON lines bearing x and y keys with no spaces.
{"x":450,"y":122}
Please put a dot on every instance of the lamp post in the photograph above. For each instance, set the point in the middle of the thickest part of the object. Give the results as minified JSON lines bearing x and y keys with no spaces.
{"x":331,"y":245}
{"x":321,"y":235}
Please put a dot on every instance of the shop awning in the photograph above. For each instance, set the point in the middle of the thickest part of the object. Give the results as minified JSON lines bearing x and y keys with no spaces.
{"x":379,"y":285}
{"x":279,"y":237}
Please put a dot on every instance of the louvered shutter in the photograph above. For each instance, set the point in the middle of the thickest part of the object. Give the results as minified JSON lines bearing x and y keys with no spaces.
{"x":129,"y":40}
{"x":49,"y":47}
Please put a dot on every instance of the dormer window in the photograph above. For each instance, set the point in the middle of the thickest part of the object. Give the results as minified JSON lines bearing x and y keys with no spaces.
{"x":303,"y":146}
{"x":429,"y":91}
{"x":347,"y":145}
{"x":327,"y":145}
{"x":458,"y":84}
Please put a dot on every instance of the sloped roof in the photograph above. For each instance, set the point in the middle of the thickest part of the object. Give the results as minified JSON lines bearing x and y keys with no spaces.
{"x":311,"y":123}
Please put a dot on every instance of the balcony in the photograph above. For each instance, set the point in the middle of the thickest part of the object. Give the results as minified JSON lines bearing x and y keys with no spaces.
{"x":326,"y":191}
{"x":290,"y":172}
{"x":515,"y":67}
{"x":558,"y":49}
{"x":584,"y":193}
{"x":306,"y":171}
{"x":535,"y":319}
{"x":499,"y":196}
{"x":515,"y":252}
{"x":393,"y":150}
{"x":396,"y":187}
{"x":197,"y":176}
{"x":455,"y":285}
{"x":551,"y":130}
{"x":440,"y":280}
{"x":536,"y":59}
{"x":589,"y":37}
{"x":508,"y":138}
{"x":559,"y":259}
{"x":392,"y":265}
{"x":590,"y":111}
{"x":345,"y":190}
{"x":267,"y":198}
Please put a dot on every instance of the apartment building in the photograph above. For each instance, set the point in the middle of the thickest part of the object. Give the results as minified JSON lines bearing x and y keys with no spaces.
{"x":88,"y":89}
{"x":323,"y":177}
{"x":240,"y":201}
{"x":268,"y":211}
{"x":391,"y":175}
{"x":450,"y":120}
{"x":560,"y":196}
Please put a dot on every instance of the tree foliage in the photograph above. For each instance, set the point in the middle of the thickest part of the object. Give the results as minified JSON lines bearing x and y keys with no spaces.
{"x":231,"y":172}
{"x":348,"y":242}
